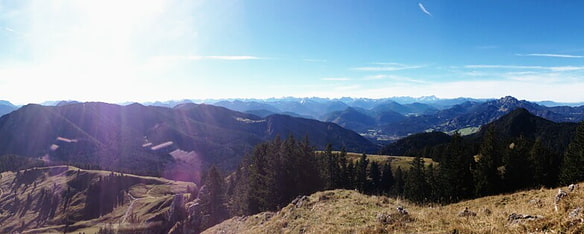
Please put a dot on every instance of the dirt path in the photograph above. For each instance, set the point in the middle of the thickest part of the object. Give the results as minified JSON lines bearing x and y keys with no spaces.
{"x":130,"y":207}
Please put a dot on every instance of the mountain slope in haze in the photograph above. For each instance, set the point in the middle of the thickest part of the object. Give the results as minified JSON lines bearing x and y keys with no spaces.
{"x":67,"y":199}
{"x":517,"y":123}
{"x":346,"y":211}
{"x":471,"y":114}
{"x":6,"y":107}
{"x":175,"y":143}
{"x":395,"y":118}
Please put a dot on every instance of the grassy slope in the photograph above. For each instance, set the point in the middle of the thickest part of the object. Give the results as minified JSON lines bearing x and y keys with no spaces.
{"x":396,"y":161}
{"x":152,"y":196}
{"x":345,"y":211}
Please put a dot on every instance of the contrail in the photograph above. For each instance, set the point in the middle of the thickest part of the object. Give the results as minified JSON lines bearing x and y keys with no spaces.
{"x":424,"y":9}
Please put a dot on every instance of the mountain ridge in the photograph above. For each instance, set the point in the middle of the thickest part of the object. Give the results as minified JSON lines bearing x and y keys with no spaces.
{"x":151,"y":140}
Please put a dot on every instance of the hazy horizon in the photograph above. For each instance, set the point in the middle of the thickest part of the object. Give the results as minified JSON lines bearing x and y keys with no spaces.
{"x":398,"y":99}
{"x":145,"y":51}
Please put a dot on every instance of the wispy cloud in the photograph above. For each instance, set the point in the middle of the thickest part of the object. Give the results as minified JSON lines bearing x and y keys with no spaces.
{"x":212,"y":57}
{"x":394,"y":78}
{"x":424,"y":9}
{"x":232,"y":57}
{"x":336,"y":79}
{"x":387,"y":67}
{"x":9,"y":29}
{"x":552,"y":55}
{"x":519,"y":67}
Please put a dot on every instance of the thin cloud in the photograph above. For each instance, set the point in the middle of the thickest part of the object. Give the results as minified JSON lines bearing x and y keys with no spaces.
{"x":213,"y":57}
{"x":234,"y":57}
{"x":387,"y":67}
{"x":9,"y":29}
{"x":552,"y":55}
{"x":556,"y":68}
{"x":394,"y":78}
{"x":336,"y":79}
{"x":424,"y":9}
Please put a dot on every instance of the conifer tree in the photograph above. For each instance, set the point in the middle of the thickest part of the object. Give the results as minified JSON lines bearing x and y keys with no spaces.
{"x":517,"y":165}
{"x":416,"y":188}
{"x":398,"y":187}
{"x":375,"y":175}
{"x":544,"y":165}
{"x":361,"y":173}
{"x":486,"y":174}
{"x":387,"y":179}
{"x":213,"y":202}
{"x":455,"y":175}
{"x":343,"y":179}
{"x":350,"y":175}
{"x":572,"y":170}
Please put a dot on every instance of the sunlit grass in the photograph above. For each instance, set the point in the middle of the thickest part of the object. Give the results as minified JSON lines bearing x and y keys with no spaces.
{"x":346,"y":211}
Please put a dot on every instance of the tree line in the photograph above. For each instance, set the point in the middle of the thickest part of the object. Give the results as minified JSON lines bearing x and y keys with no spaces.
{"x":279,"y":170}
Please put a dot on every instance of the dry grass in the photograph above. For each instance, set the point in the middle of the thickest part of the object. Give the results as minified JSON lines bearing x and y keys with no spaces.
{"x":345,"y":211}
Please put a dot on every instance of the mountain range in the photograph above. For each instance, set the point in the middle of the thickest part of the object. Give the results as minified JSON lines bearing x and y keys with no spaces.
{"x":176,"y":143}
{"x":517,"y":123}
{"x":6,"y":107}
{"x":386,"y":120}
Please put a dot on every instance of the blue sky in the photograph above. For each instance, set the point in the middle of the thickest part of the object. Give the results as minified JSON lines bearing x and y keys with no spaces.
{"x":118,"y":51}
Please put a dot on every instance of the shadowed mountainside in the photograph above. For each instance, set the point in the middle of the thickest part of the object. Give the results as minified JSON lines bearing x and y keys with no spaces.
{"x":175,"y":143}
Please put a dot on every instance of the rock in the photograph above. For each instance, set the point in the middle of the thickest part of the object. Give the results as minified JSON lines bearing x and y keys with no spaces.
{"x":572,"y":187}
{"x":402,"y":210}
{"x":575,"y":212}
{"x":299,"y":201}
{"x":383,"y":218}
{"x":466,"y":213}
{"x":516,"y":218}
{"x":561,"y":194}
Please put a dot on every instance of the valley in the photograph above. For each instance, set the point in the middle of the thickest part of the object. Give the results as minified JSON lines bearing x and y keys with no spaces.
{"x":98,"y":167}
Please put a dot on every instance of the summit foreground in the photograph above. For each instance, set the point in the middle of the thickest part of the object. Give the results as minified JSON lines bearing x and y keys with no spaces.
{"x":347,"y":211}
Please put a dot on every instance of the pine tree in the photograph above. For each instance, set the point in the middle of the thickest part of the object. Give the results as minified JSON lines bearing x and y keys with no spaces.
{"x":486,"y":174}
{"x":375,"y":175}
{"x":517,"y":165}
{"x":398,"y":187}
{"x":330,"y":168}
{"x":350,"y":176}
{"x":455,"y":175}
{"x":361,"y":173}
{"x":416,"y":188}
{"x":544,"y":165}
{"x":343,"y":179}
{"x":387,"y":180}
{"x":572,"y":170}
{"x":213,"y":202}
